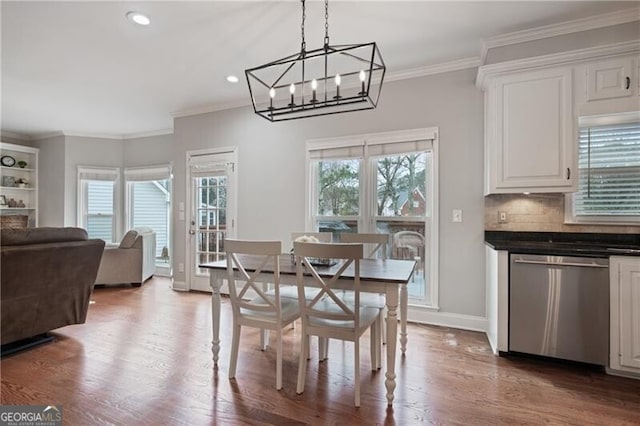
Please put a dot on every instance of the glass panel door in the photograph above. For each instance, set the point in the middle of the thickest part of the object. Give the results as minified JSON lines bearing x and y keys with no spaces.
{"x":212,"y":217}
{"x":403,"y":210}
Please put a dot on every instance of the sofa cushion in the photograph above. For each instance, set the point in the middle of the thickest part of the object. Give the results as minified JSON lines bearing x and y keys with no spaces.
{"x":18,"y":237}
{"x":129,"y":239}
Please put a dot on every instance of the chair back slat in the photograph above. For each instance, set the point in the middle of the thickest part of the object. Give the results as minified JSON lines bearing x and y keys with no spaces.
{"x":349,"y":254}
{"x":378,"y":241}
{"x":241,"y":289}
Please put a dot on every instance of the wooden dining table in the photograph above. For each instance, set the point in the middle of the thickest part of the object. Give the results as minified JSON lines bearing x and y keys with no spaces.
{"x":389,"y":277}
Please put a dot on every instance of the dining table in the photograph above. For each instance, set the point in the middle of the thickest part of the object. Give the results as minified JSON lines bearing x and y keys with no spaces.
{"x":385,"y":276}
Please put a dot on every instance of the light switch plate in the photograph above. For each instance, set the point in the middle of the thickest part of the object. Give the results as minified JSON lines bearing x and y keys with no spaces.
{"x":502,"y":217}
{"x":456,"y":215}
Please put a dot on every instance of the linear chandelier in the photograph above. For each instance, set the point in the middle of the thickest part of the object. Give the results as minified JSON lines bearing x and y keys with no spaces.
{"x":329,"y":80}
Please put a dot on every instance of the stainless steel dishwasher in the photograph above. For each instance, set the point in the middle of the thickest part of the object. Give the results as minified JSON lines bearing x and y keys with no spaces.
{"x":559,"y":307}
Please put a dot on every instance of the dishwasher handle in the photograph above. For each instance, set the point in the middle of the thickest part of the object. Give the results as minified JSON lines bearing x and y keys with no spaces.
{"x":538,"y":262}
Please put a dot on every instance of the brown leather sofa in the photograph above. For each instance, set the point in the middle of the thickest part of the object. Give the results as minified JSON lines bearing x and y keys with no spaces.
{"x":46,"y":279}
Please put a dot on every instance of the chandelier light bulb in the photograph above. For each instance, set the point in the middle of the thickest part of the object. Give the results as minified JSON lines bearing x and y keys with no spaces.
{"x":362,"y":76}
{"x":272,"y":93}
{"x":338,"y":79}
{"x":314,"y":86}
{"x":292,"y":90}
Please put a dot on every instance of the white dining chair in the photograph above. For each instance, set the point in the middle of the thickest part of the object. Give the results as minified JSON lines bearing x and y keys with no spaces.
{"x":250,"y":304}
{"x":327,"y":315}
{"x":377,"y":244}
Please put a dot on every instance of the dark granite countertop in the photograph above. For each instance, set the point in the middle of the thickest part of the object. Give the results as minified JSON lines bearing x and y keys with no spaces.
{"x":564,"y":243}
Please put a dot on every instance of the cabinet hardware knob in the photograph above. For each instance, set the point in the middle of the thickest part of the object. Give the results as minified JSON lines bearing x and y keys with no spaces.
{"x":628,"y":83}
{"x":568,"y":173}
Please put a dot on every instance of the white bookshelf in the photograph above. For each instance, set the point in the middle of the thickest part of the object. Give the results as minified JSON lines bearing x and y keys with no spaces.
{"x":11,"y":175}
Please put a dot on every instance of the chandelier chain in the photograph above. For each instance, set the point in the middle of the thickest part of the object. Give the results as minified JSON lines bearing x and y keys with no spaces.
{"x":326,"y":22}
{"x":303,"y":47}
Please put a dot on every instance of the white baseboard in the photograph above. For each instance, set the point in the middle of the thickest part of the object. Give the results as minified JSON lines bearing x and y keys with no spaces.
{"x":180,"y":286}
{"x":464,"y":322}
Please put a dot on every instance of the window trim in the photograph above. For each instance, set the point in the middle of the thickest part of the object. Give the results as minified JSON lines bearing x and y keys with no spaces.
{"x":569,"y":210}
{"x":366,"y":214}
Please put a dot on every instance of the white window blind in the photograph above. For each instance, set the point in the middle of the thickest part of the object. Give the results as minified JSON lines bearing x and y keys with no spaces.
{"x":609,"y":171}
{"x":98,"y":173}
{"x":208,"y":165}
{"x":142,"y":174}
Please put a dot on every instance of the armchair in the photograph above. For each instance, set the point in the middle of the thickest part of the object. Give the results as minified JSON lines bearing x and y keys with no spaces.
{"x":133,"y":261}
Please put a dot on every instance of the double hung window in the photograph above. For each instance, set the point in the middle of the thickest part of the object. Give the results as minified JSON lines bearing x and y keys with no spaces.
{"x":97,"y":206}
{"x":382,"y":183}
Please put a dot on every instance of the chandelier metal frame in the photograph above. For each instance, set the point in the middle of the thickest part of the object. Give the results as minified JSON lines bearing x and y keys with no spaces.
{"x":322,"y":94}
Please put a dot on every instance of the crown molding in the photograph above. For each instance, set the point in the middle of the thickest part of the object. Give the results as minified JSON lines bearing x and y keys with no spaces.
{"x":562,"y":58}
{"x":95,"y":135}
{"x":12,"y":135}
{"x":205,"y":109}
{"x":139,"y":135}
{"x":46,"y":136}
{"x":459,"y":64}
{"x":584,"y":24}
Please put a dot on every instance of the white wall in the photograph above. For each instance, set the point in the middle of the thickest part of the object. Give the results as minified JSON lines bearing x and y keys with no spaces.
{"x":51,"y":181}
{"x":271,"y":167}
{"x":149,"y":151}
{"x":82,"y":151}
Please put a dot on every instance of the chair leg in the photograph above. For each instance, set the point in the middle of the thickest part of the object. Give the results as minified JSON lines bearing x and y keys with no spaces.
{"x":356,"y":358}
{"x":302,"y":363}
{"x":383,"y":328}
{"x":264,"y":339}
{"x":323,"y":348}
{"x":235,"y":343}
{"x":279,"y":360}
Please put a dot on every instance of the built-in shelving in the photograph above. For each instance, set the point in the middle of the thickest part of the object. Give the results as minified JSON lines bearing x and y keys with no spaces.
{"x":12,"y":174}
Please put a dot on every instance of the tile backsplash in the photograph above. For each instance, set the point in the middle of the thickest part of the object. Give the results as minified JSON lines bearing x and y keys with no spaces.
{"x":538,"y":212}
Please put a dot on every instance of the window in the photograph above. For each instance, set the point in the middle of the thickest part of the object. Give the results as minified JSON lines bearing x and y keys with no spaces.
{"x":609,"y":173}
{"x":96,"y":202}
{"x":384,"y":183}
{"x":149,"y":204}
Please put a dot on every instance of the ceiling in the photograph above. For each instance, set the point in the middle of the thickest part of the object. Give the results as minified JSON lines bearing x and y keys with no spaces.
{"x":83,"y":68}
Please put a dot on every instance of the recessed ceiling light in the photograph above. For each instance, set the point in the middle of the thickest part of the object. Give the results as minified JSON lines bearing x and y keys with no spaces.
{"x":232,"y":79}
{"x":138,"y":18}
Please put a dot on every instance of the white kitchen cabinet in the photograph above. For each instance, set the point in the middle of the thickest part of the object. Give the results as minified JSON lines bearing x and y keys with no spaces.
{"x":614,"y":78}
{"x":530,"y":129}
{"x":19,"y":185}
{"x":625,"y":314}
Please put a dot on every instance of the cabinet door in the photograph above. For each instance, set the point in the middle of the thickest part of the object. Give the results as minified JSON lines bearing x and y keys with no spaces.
{"x":610,"y":79}
{"x":531,"y":131}
{"x":630,"y":313}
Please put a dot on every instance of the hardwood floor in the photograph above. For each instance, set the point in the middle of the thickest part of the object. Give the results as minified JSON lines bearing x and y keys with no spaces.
{"x":144,"y":357}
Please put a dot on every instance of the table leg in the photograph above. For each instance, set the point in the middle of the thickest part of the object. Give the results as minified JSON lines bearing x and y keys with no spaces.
{"x":392,"y":335}
{"x":215,"y":281}
{"x":404,"y":302}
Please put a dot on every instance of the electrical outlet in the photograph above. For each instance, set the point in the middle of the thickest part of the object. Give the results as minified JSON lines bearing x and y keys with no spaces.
{"x":456,"y":215}
{"x":180,"y":267}
{"x":502,"y":217}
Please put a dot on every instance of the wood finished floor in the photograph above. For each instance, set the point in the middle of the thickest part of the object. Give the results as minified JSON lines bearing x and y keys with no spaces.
{"x":144,"y":358}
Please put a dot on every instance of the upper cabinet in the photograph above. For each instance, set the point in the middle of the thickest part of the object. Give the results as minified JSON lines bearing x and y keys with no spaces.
{"x":608,"y":86}
{"x":532,"y":109}
{"x":530,"y":132}
{"x":18,"y":186}
{"x":610,"y":79}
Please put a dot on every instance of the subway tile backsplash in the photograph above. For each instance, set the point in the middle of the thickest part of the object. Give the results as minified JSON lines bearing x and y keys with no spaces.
{"x":537,"y":212}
